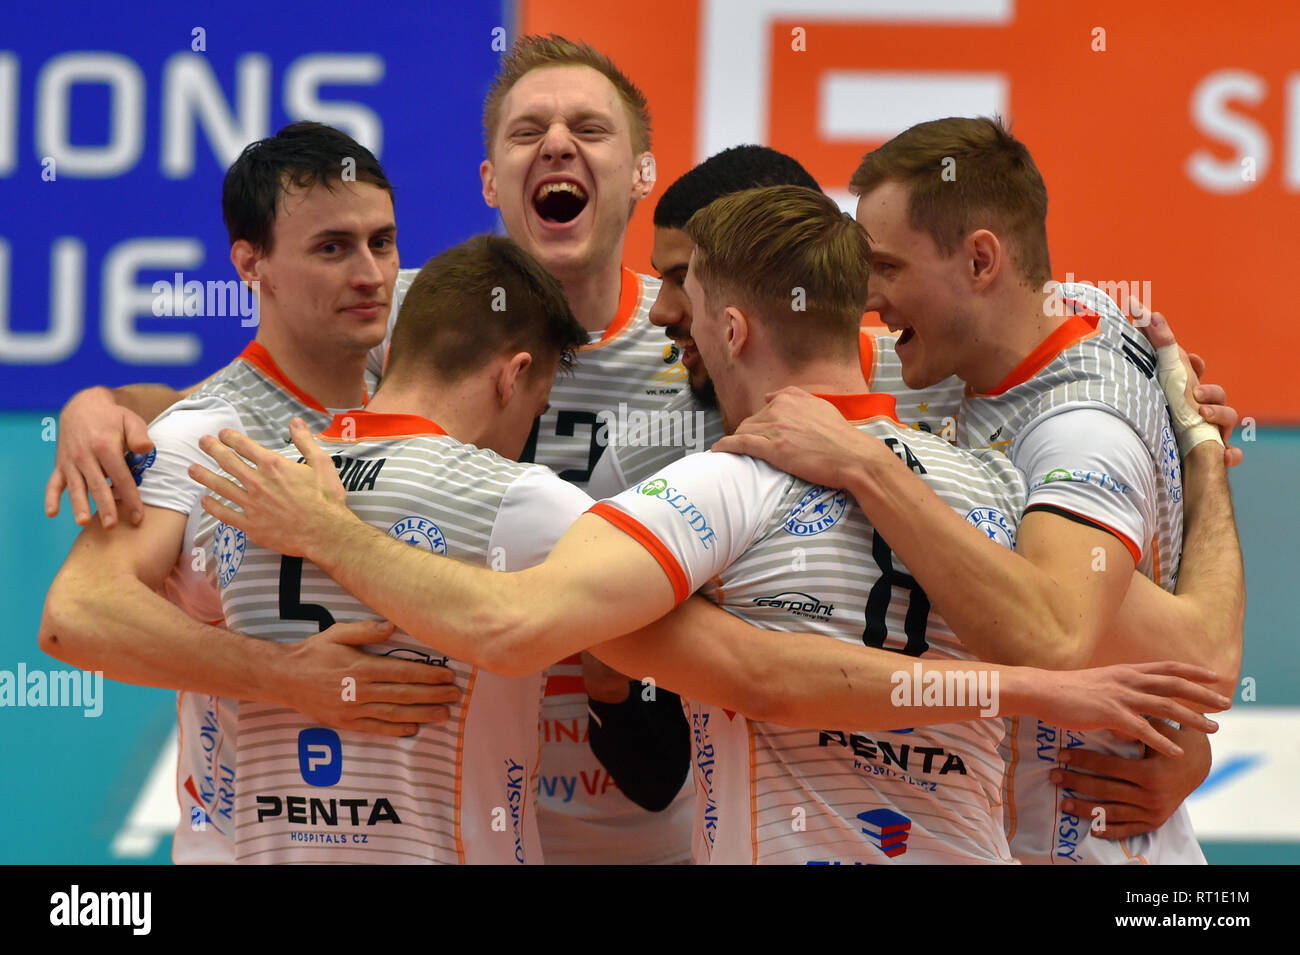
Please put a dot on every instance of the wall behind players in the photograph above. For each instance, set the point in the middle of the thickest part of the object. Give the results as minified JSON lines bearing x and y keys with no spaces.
{"x":1169,"y":136}
{"x":116,"y":129}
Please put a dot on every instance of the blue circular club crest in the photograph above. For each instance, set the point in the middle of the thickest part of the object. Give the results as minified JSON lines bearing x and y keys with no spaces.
{"x":229,"y":543}
{"x":994,"y":525}
{"x":420,"y":532}
{"x":818,"y":510}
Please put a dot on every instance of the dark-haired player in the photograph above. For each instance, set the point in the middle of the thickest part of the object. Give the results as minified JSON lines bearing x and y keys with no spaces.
{"x":325,"y":256}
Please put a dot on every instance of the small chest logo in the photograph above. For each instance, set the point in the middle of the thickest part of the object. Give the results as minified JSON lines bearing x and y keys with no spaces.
{"x":420,"y":532}
{"x":818,"y":510}
{"x":230,"y":543}
{"x":994,"y":524}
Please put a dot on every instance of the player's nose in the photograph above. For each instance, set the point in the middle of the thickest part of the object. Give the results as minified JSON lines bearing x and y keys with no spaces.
{"x":558,"y":142}
{"x":666,"y":311}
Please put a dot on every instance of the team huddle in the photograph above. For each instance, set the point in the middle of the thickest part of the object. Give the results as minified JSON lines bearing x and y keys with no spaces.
{"x":524,"y":557}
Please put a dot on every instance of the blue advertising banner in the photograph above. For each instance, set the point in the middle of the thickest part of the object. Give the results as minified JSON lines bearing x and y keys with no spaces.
{"x":117,"y":126}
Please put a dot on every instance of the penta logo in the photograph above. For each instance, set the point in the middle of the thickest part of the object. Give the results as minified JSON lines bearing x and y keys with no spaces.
{"x":887,"y":829}
{"x":320,"y":756}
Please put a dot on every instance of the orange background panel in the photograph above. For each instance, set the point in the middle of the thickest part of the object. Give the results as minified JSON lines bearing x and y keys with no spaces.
{"x":1111,"y":131}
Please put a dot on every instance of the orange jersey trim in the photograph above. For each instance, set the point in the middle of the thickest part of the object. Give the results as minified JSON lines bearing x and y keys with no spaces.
{"x":645,"y":537}
{"x":867,"y":355}
{"x":1070,"y":332}
{"x":1102,"y":525}
{"x":255,"y":354}
{"x":629,"y":297}
{"x":460,"y":762}
{"x":864,"y":406}
{"x":369,"y":424}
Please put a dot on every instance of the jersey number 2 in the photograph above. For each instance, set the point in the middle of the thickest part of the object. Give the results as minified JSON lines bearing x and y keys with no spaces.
{"x":882,"y":593}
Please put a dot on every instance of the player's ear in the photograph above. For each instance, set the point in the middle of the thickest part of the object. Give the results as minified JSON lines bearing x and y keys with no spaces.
{"x":738,"y":329}
{"x":246,"y":260}
{"x":510,"y":376}
{"x":488,"y":174}
{"x":985,"y":253}
{"x":643,"y":180}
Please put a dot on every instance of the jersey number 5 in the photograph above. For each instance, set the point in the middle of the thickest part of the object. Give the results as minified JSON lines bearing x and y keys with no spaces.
{"x":291,"y":605}
{"x":882,"y":593}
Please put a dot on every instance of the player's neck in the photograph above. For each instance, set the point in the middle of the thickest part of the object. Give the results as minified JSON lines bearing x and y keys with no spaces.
{"x":593,"y":294}
{"x":999,"y":346}
{"x":822,"y":377}
{"x":336,"y":380}
{"x":459,"y":409}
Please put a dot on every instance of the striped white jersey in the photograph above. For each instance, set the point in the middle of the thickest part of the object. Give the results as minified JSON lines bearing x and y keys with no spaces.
{"x":457,"y":792}
{"x":785,"y":555}
{"x":630,"y":369}
{"x":252,"y":395}
{"x":640,"y":447}
{"x":1094,"y":361}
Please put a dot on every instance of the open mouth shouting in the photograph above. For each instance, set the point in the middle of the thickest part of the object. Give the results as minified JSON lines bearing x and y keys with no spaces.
{"x":558,"y":201}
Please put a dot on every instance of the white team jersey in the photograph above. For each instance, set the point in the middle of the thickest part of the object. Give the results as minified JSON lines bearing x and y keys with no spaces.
{"x":252,"y":395}
{"x":684,"y":426}
{"x":1095,"y":361}
{"x":632,"y":369}
{"x":460,"y":791}
{"x":785,"y":555}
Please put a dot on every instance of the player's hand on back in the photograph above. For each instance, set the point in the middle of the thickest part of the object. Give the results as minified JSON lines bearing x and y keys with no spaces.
{"x":1119,"y":698}
{"x":332,"y":679}
{"x":283,"y":506}
{"x":1134,"y":795}
{"x":802,"y":435}
{"x":1210,"y":400}
{"x":94,"y":435}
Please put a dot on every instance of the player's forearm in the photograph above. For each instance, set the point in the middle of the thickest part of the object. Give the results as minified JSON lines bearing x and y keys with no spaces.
{"x":1201,"y":621}
{"x":1211,"y":575}
{"x":148,"y":401}
{"x":470,"y":613}
{"x":795,"y":679}
{"x":121,"y":627}
{"x":1002,"y":607}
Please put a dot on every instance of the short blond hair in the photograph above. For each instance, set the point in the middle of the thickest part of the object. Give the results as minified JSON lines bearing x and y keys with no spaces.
{"x":535,"y":52}
{"x":793,"y":258}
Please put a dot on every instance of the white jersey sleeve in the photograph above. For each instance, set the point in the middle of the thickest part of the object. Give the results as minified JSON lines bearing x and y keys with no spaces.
{"x":698,"y":515}
{"x":1091,"y":464}
{"x":607,"y":476}
{"x":163,"y":474}
{"x":535,"y":512}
